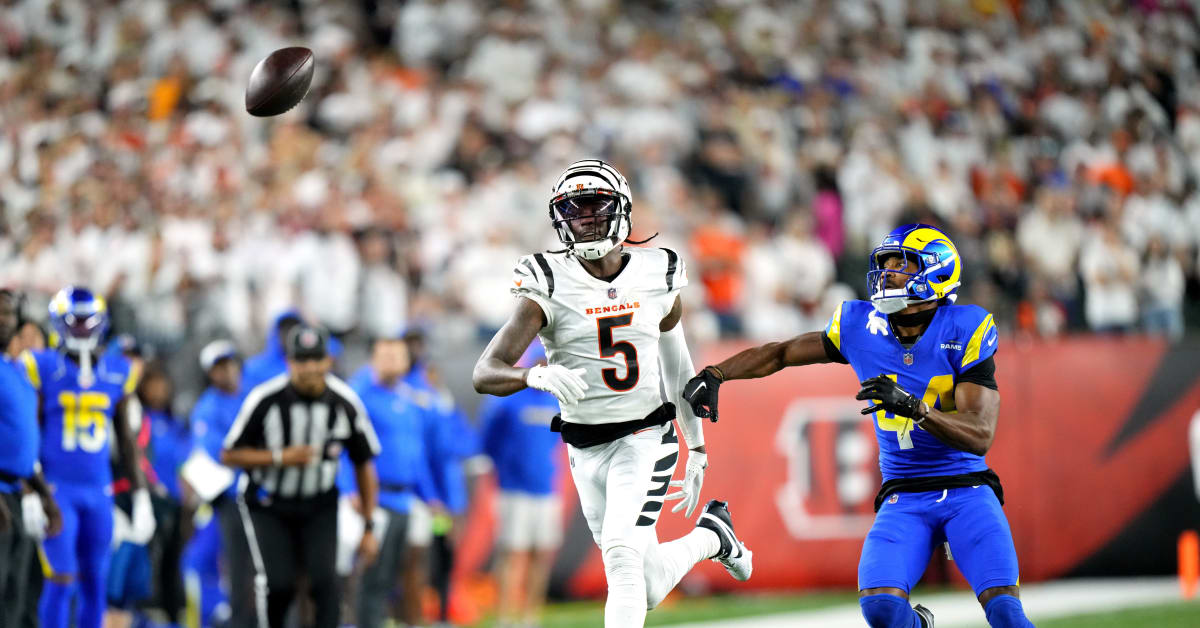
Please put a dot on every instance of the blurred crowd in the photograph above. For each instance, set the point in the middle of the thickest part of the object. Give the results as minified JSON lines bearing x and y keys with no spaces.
{"x":771,"y":142}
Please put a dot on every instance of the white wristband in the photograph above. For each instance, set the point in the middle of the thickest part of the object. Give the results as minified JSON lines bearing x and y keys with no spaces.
{"x":277,"y":457}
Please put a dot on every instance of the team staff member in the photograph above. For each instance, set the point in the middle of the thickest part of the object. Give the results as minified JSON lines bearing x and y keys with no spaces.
{"x":288,"y":437}
{"x":409,"y":438}
{"x":212,"y":416}
{"x":18,"y":455}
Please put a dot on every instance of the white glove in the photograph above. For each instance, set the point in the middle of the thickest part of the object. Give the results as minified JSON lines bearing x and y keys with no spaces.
{"x":689,"y":486}
{"x":565,"y":384}
{"x":142,"y":520}
{"x":34,"y":516}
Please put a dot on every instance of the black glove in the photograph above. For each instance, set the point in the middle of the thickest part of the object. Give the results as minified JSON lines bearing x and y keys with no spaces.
{"x":701,"y":394}
{"x":890,"y":395}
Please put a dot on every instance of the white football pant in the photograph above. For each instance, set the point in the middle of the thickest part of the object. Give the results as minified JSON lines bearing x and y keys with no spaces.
{"x":621,"y":485}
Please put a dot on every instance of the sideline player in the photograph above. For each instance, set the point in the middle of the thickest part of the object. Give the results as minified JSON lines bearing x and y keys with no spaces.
{"x":78,"y":401}
{"x":910,"y":338}
{"x":606,"y":315}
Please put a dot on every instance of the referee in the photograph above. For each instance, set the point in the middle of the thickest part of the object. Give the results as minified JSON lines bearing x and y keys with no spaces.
{"x":288,"y":436}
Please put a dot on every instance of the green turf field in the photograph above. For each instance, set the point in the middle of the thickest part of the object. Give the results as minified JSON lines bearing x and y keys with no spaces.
{"x":677,"y":610}
{"x":572,"y":614}
{"x":1175,"y":615}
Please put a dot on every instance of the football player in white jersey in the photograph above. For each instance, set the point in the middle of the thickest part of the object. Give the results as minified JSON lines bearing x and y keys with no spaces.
{"x":609,"y":319}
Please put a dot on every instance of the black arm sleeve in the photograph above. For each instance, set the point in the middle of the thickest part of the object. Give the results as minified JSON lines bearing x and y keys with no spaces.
{"x":983,"y":373}
{"x":831,"y":351}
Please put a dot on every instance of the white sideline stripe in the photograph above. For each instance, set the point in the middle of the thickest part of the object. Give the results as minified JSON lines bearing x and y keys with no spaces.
{"x":960,"y":610}
{"x":260,"y":569}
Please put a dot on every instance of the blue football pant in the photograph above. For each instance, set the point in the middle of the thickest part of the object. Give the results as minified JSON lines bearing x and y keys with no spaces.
{"x":80,"y":553}
{"x":202,"y":572}
{"x":906,"y":531}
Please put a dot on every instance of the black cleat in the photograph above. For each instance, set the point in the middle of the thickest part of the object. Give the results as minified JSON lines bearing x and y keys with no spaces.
{"x":733,"y":555}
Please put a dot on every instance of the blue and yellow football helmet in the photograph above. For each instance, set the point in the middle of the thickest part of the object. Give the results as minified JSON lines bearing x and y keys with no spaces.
{"x":938,"y":268}
{"x":79,"y":319}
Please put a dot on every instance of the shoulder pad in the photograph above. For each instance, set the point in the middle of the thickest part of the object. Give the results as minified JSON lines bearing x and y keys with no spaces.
{"x":675,"y":270}
{"x":533,"y":275}
{"x":978,"y":326}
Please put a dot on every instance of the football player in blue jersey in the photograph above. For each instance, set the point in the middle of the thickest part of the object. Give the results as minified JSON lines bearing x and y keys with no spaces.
{"x":927,"y":365}
{"x":80,"y":396}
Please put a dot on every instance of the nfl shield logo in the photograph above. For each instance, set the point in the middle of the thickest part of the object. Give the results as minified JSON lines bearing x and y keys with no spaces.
{"x":894,"y":498}
{"x":908,"y":359}
{"x":612,"y":293}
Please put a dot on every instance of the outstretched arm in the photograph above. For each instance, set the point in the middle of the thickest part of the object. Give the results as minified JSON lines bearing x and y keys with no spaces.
{"x":494,"y":373}
{"x":701,"y":391}
{"x":764,"y":360}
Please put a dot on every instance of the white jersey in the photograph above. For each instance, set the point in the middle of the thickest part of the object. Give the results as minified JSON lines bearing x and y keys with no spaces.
{"x":610,"y":329}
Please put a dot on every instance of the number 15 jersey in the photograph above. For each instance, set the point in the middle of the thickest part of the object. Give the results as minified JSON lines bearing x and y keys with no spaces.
{"x":77,"y":421}
{"x":609,"y":329}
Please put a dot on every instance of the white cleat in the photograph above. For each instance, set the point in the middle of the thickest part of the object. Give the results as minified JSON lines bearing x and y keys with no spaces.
{"x":734,"y":556}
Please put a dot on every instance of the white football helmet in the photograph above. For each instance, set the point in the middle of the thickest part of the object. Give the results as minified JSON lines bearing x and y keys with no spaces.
{"x":591,"y":208}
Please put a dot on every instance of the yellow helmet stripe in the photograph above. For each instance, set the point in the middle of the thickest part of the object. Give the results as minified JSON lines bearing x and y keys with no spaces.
{"x":918,"y":238}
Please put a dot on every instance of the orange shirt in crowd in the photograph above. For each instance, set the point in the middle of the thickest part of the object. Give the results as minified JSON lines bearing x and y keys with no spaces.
{"x":718,"y":255}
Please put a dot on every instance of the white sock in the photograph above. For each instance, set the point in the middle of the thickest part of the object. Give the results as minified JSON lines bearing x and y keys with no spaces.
{"x":626,"y":604}
{"x":666,"y":563}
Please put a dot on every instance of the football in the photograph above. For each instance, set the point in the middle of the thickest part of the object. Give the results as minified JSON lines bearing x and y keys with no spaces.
{"x":279,"y":82}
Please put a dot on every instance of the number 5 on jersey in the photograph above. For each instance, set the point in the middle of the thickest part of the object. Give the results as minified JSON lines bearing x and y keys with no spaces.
{"x":608,"y":349}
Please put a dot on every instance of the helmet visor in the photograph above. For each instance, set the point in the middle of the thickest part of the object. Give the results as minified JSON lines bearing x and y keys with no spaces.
{"x":588,"y":217}
{"x":82,"y":325}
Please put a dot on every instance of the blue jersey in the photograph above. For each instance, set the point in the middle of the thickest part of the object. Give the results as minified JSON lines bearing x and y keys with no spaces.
{"x":517,"y":437}
{"x":76,"y":421}
{"x":18,"y":423}
{"x":170,"y":445}
{"x":457,"y":438}
{"x":211,"y":418}
{"x":958,"y":338}
{"x":406,"y":438}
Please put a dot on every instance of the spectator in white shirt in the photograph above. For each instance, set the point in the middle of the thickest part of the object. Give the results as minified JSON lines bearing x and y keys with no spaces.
{"x":1049,"y":238}
{"x":1110,"y":274}
{"x":1162,"y":291}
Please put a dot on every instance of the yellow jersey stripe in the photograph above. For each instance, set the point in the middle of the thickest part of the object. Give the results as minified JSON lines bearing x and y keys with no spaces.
{"x":973,"y":347}
{"x":47,"y":570}
{"x":834,"y":332}
{"x":131,"y":382}
{"x":31,"y":369}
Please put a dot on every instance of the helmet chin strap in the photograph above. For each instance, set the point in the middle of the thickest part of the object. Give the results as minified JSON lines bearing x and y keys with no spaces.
{"x":87,"y":375}
{"x":890,"y":305}
{"x":590,"y":253}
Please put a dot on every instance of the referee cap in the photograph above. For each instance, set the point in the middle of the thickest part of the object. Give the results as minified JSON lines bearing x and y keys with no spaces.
{"x":306,"y":342}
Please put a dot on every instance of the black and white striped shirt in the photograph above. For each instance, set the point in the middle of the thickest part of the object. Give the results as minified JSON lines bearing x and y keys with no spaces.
{"x":275,"y":416}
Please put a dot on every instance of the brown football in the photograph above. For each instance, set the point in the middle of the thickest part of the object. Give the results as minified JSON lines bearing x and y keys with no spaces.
{"x":279,"y":81}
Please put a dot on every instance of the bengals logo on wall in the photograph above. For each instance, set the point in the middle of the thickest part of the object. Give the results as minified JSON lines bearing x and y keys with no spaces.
{"x":832,"y":469}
